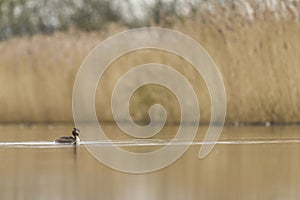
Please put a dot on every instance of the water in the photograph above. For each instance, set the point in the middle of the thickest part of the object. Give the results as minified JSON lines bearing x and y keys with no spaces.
{"x":247,"y":163}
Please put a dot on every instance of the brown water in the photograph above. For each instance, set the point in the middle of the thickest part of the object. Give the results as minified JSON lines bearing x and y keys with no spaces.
{"x":266,"y":166}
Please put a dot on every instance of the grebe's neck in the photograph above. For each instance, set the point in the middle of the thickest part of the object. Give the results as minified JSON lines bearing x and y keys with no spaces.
{"x":77,"y":139}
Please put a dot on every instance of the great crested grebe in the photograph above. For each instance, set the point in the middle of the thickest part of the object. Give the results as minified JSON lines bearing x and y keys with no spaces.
{"x":70,"y":139}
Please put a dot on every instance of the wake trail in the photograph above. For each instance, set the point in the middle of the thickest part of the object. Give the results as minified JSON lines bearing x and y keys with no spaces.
{"x":142,"y":142}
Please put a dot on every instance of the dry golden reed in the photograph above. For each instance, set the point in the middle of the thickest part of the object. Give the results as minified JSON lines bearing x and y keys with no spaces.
{"x":257,"y":50}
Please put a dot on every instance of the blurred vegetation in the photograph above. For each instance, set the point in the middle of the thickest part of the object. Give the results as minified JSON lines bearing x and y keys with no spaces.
{"x":28,"y":17}
{"x":255,"y":44}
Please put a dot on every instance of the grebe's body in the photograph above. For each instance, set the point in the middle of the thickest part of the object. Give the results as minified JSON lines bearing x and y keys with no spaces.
{"x":70,"y":139}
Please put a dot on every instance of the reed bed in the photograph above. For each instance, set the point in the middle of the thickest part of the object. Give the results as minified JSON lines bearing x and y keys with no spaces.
{"x":255,"y":46}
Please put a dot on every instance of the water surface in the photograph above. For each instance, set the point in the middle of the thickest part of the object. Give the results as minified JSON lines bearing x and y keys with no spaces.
{"x":247,"y":163}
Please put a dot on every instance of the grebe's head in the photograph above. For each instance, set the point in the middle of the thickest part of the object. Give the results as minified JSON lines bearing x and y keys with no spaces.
{"x":76,"y":132}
